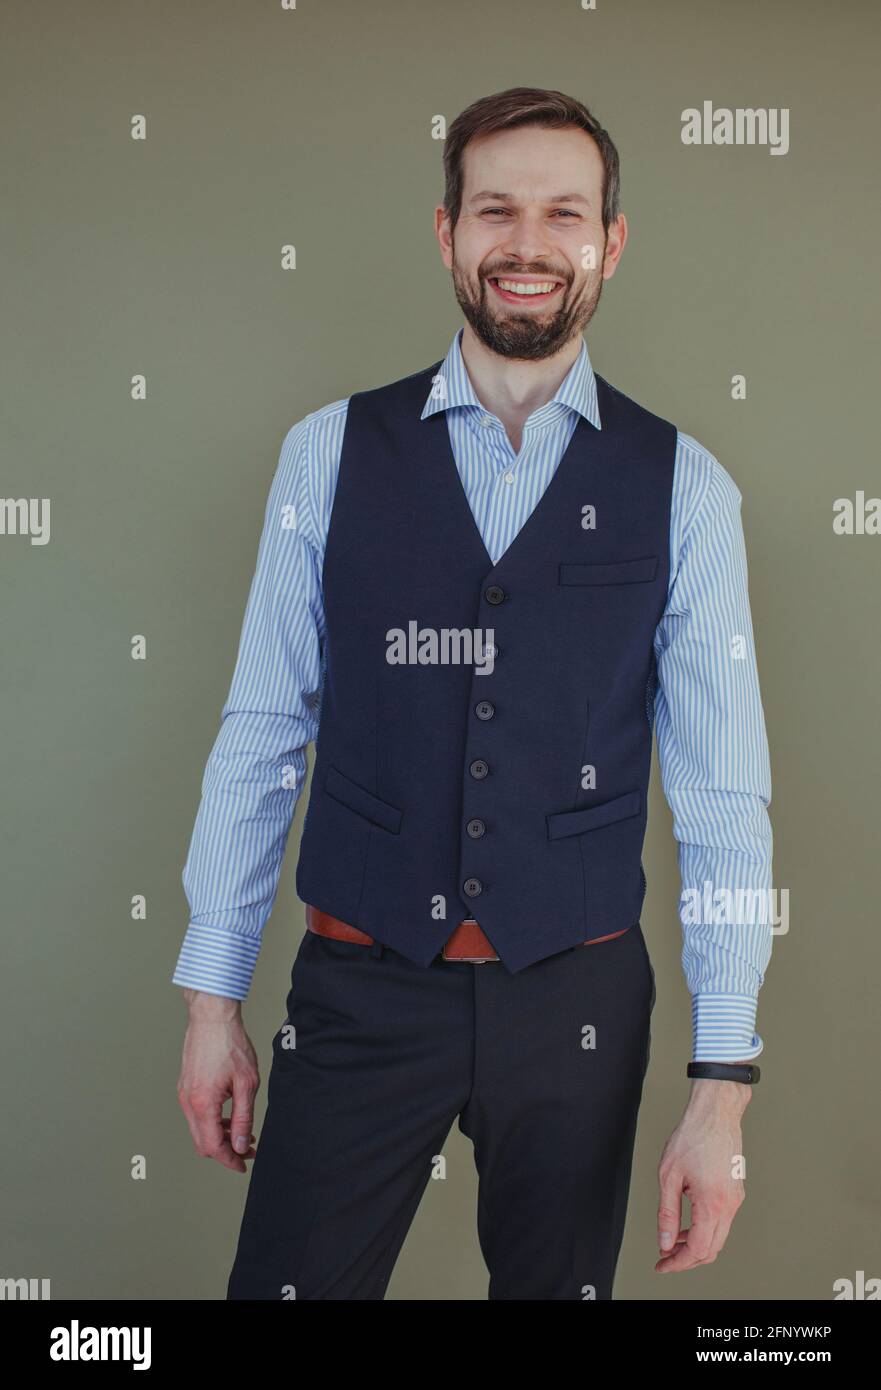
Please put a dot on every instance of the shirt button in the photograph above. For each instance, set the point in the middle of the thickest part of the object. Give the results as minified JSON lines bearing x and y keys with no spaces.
{"x":476,"y":828}
{"x":509,"y":477}
{"x":485,"y":420}
{"x":494,"y":594}
{"x":484,"y":709}
{"x":473,"y":887}
{"x":479,"y":768}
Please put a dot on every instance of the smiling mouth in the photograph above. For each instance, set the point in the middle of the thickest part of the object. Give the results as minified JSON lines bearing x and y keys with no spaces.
{"x":515,"y":291}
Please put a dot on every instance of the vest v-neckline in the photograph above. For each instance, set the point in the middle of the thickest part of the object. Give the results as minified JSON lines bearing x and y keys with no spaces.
{"x":544,"y":503}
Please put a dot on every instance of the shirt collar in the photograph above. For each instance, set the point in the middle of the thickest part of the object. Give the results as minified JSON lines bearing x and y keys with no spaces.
{"x":451,"y":386}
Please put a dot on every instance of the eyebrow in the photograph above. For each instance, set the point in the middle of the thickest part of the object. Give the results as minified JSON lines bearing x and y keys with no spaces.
{"x":509,"y":197}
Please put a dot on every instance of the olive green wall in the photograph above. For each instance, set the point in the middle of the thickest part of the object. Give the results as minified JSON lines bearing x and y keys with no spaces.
{"x":313,"y":127}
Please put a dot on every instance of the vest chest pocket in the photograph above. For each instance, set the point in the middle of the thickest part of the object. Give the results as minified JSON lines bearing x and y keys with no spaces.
{"x":362,"y":802}
{"x":594,"y":817}
{"x":613,"y":572}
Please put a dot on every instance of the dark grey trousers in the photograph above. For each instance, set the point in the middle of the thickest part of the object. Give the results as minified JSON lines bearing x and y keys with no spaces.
{"x":543,"y":1071}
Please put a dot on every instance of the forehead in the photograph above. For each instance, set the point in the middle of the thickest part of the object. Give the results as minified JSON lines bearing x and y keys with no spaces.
{"x":533,"y":162}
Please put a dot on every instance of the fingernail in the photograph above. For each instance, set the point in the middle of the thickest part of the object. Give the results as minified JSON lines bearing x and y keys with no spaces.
{"x":241,"y":1144}
{"x":666,"y":1240}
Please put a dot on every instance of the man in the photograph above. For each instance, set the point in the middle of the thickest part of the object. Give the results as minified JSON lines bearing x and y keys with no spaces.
{"x":489,"y":582}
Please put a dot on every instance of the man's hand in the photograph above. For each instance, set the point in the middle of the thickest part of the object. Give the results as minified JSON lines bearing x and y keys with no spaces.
{"x":218,"y":1061}
{"x":698,"y":1159}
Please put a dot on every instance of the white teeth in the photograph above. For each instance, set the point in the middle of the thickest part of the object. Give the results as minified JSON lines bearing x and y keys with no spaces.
{"x":517,"y":287}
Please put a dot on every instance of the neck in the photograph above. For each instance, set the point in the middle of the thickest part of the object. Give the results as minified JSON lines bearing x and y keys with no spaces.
{"x":513,"y":388}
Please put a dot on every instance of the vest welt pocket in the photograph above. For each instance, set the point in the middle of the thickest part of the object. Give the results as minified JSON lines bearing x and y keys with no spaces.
{"x":594,"y":817}
{"x":614,"y":572}
{"x":362,"y":802}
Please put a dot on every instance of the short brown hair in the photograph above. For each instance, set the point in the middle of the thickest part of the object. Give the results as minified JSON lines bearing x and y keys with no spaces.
{"x":520,"y":106}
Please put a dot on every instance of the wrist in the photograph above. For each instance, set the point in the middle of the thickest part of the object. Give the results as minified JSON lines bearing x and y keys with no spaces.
{"x":733,"y":1096}
{"x":214,"y":1007}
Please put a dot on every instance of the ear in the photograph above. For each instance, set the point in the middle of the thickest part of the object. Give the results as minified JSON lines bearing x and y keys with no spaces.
{"x":444,"y":233}
{"x":616,"y":240}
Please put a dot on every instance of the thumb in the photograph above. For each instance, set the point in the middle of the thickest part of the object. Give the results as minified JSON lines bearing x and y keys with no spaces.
{"x":242,"y":1118}
{"x":669,"y":1211}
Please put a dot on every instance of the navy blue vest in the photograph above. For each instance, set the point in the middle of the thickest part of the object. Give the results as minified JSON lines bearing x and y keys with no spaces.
{"x":439,"y":793}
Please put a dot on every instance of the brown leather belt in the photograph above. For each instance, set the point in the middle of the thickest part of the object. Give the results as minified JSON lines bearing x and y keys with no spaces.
{"x":467,"y":942}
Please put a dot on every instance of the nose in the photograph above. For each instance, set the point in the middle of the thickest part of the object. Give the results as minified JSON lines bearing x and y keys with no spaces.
{"x":526,"y":239}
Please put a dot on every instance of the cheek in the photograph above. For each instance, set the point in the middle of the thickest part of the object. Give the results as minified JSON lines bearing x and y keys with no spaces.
{"x":479,"y":248}
{"x":580,"y":245}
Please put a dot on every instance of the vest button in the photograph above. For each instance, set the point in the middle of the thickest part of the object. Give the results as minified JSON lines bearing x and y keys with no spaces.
{"x":479,"y":768}
{"x":484,"y":709}
{"x":473,"y":887}
{"x":494,"y":594}
{"x":476,"y":828}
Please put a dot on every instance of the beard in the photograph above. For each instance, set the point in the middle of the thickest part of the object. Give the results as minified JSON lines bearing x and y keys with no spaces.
{"x":526,"y":336}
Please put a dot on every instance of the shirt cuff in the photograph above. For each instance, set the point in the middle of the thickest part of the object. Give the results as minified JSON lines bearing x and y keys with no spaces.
{"x":724,"y":1028}
{"x":216,"y":961}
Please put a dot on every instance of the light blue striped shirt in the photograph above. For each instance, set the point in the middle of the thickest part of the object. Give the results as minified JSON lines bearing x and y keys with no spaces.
{"x":708,"y":721}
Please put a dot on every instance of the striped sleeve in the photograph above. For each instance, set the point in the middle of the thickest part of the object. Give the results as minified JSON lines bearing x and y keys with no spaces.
{"x":713,"y":755}
{"x":257,"y":767}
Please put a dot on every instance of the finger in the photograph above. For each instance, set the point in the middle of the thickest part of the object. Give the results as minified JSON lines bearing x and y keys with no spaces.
{"x":209,"y":1130}
{"x":664,"y":1261}
{"x":698,"y":1246}
{"x":209,"y":1135}
{"x":244,"y":1088}
{"x":669,"y":1210}
{"x":225,"y":1121}
{"x":251,"y":1152}
{"x":192,"y":1122}
{"x":222,"y":1151}
{"x":198,"y":1116}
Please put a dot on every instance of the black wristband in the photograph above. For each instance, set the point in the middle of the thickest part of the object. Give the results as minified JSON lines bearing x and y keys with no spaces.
{"x":748,"y":1074}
